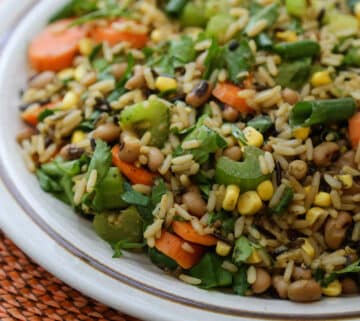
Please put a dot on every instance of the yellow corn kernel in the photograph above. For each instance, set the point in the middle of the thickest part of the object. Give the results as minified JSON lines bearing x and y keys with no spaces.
{"x":80,"y":72}
{"x":321,"y":78}
{"x":288,"y":36}
{"x":308,"y":248}
{"x":357,"y":10}
{"x":301,"y":132}
{"x":313,"y":214}
{"x":165,"y":83}
{"x":66,"y":74}
{"x":253,"y":137}
{"x":231,"y":197}
{"x":222,"y":248}
{"x":157,"y":36}
{"x":322,"y":199}
{"x":346,"y":180}
{"x":265,"y":190}
{"x":86,"y":46}
{"x":254,"y":258}
{"x":249,"y":203}
{"x":333,"y":289}
{"x":70,"y":100}
{"x":78,"y":136}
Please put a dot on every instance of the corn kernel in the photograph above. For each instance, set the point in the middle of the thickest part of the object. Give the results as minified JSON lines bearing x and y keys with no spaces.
{"x":78,"y":136}
{"x":308,"y":248}
{"x":288,"y":36}
{"x":231,"y":197}
{"x":70,"y":100}
{"x":254,"y":258}
{"x":165,"y":83}
{"x":346,"y":180}
{"x":322,"y":199}
{"x":333,"y":289}
{"x":86,"y":46}
{"x":357,"y":10}
{"x":157,"y":36}
{"x":307,"y":189}
{"x":66,"y":74}
{"x":265,"y":190}
{"x":313,"y":214}
{"x":301,"y":132}
{"x":253,"y":137}
{"x":249,"y":203}
{"x":80,"y":72}
{"x":321,"y":78}
{"x":222,"y":248}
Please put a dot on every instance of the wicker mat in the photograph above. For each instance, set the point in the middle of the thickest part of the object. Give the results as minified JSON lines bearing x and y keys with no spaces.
{"x":29,"y":293}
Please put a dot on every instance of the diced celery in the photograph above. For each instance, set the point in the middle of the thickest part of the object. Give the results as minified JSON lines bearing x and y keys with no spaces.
{"x":193,"y":15}
{"x":343,"y":25}
{"x":218,"y":25}
{"x":296,"y":7}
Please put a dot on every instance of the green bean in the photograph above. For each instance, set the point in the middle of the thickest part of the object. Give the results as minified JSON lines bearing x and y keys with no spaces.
{"x":308,"y":113}
{"x":298,"y":49}
{"x":175,"y":6}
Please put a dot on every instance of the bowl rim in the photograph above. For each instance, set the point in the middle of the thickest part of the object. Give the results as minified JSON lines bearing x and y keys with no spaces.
{"x":31,"y":213}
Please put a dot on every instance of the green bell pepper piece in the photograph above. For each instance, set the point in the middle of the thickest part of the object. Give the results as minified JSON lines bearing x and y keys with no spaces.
{"x":152,"y":115}
{"x":108,"y":193}
{"x":296,"y":7}
{"x":126,"y":225}
{"x":161,"y":260}
{"x":298,"y":49}
{"x":247,"y":174}
{"x":193,"y":15}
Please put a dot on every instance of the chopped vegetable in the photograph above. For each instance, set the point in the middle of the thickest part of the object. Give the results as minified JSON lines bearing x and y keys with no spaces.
{"x":294,"y":74}
{"x":298,"y":49}
{"x":188,"y":233}
{"x":74,"y":8}
{"x":309,"y":113}
{"x":172,"y":246}
{"x":240,"y":283}
{"x":296,"y":7}
{"x":261,"y":123}
{"x":352,"y":57}
{"x":228,"y":94}
{"x":115,"y":227}
{"x":193,"y":15}
{"x":35,"y":114}
{"x":210,"y":142}
{"x":114,"y":36}
{"x":161,"y":260}
{"x":175,"y":7}
{"x":354,"y":129}
{"x":342,"y":24}
{"x":210,"y":272}
{"x":282,"y":205}
{"x":239,"y":58}
{"x":269,"y":13}
{"x":125,"y":245}
{"x":134,"y":174}
{"x":152,"y":115}
{"x":213,"y":58}
{"x":55,"y":47}
{"x":218,"y":25}
{"x":247,"y":174}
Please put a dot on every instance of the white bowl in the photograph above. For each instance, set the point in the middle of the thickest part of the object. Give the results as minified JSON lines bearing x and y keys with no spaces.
{"x":66,"y":245}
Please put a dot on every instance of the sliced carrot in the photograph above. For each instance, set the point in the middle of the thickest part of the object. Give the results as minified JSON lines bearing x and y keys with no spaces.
{"x":354,"y":129}
{"x":113,"y":36}
{"x":56,"y":46}
{"x":228,"y":94}
{"x":134,"y":174}
{"x":188,"y":233}
{"x":172,"y":246}
{"x":31,"y":115}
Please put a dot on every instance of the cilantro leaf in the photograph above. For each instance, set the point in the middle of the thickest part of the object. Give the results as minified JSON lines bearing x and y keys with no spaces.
{"x":210,"y":272}
{"x":294,"y":74}
{"x":242,"y":250}
{"x":135,"y":198}
{"x":240,"y":283}
{"x":213,"y":59}
{"x":239,"y":135}
{"x":238,"y":57}
{"x":125,"y":245}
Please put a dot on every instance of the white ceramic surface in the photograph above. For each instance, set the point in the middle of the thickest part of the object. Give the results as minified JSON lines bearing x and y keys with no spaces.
{"x":66,"y":245}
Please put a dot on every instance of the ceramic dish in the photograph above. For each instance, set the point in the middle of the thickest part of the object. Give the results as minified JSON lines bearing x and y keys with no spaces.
{"x":66,"y":245}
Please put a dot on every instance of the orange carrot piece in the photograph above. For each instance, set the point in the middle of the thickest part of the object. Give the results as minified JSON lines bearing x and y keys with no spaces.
{"x":188,"y":233}
{"x":113,"y":36}
{"x":228,"y":94}
{"x":172,"y":246}
{"x":134,"y":174}
{"x":354,"y":129}
{"x":31,"y":115}
{"x":56,"y":46}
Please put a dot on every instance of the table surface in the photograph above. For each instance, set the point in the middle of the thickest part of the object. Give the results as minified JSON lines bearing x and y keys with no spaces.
{"x":28,"y":292}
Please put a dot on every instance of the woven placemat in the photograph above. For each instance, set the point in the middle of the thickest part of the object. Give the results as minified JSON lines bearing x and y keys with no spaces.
{"x":29,"y":293}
